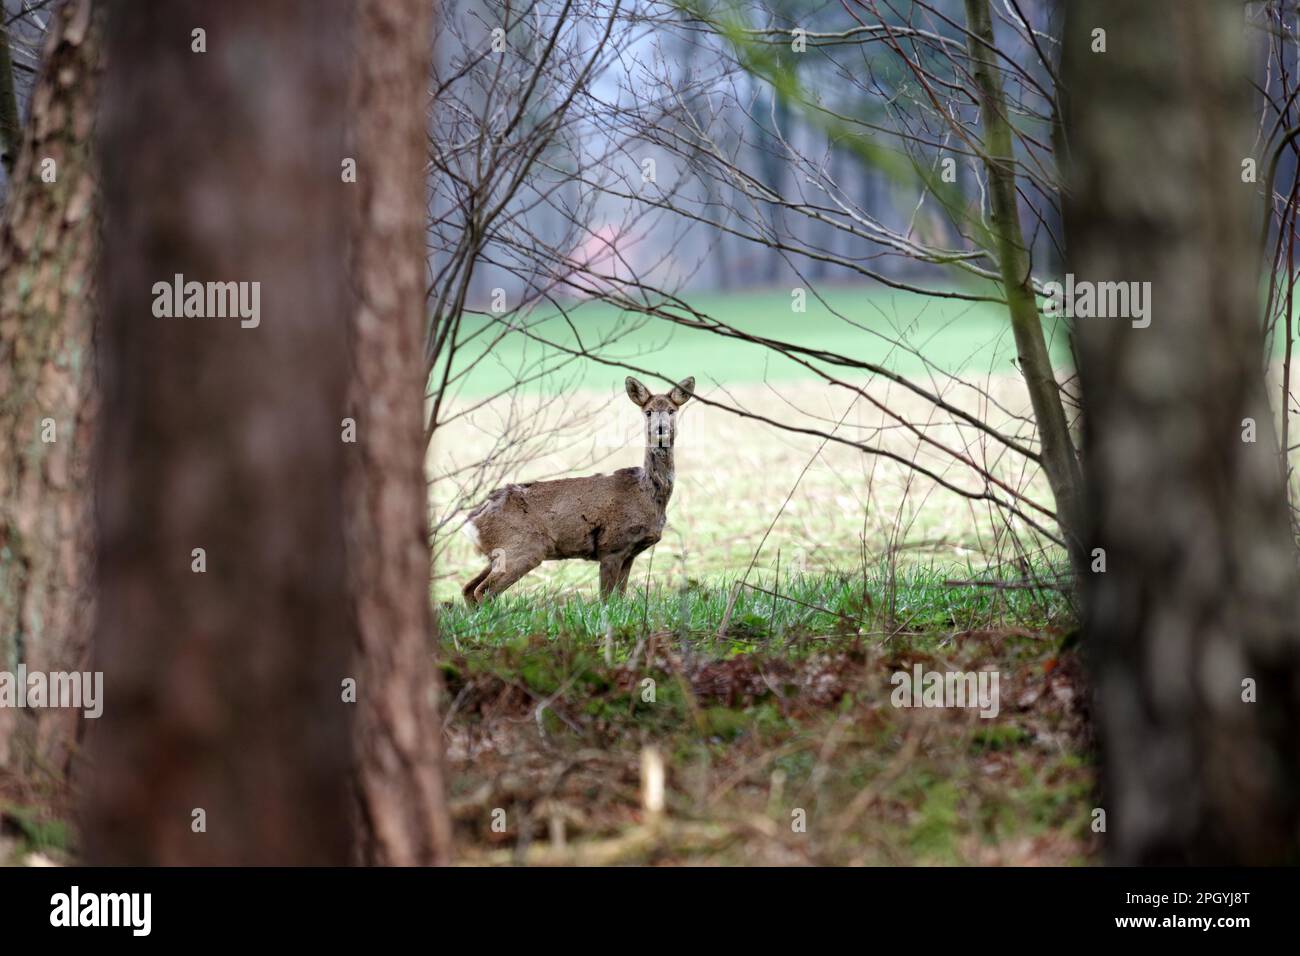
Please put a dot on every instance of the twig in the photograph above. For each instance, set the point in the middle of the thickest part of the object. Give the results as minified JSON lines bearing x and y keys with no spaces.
{"x":812,"y":607}
{"x":1007,"y":585}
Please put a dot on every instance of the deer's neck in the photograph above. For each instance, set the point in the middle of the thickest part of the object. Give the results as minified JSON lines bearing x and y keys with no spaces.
{"x":659,"y":472}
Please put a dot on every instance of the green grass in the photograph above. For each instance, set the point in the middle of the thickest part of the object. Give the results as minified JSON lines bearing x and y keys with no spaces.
{"x":872,"y":324}
{"x":789,"y":715}
{"x":915,"y":599}
{"x":879,"y":326}
{"x":37,"y":831}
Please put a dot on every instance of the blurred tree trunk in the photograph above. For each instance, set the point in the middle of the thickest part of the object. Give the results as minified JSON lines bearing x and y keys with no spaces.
{"x":773,"y":111}
{"x":223,"y":701}
{"x":10,"y":133}
{"x":1199,"y":592}
{"x":402,"y":813}
{"x":1059,"y":458}
{"x":47,"y":391}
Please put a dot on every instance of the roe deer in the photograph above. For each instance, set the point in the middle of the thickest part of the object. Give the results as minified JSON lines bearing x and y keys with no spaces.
{"x":605,"y":518}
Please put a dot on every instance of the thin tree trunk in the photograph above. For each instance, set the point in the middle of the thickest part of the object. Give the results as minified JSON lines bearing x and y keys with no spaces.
{"x":223,"y":689}
{"x":47,"y":392}
{"x":1059,"y":459}
{"x":1193,"y":628}
{"x":400,"y":800}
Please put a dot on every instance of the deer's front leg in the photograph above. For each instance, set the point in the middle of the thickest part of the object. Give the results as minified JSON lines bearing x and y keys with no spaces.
{"x":624,"y":573}
{"x":610,"y":567}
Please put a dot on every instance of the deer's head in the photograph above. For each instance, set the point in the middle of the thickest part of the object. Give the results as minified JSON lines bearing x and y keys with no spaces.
{"x":660,"y":411}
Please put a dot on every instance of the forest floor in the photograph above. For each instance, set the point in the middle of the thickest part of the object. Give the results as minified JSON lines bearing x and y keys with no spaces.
{"x":780,"y":743}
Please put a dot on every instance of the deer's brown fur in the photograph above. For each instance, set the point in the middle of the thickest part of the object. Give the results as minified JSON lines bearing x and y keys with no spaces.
{"x":605,"y":518}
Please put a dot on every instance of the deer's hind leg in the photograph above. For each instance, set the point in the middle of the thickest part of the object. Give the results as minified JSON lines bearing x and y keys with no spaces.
{"x":474,"y":582}
{"x":507,"y":568}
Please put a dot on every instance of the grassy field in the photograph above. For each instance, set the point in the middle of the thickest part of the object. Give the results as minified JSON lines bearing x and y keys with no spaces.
{"x":744,"y":490}
{"x":882,"y":326}
{"x":753,"y":653}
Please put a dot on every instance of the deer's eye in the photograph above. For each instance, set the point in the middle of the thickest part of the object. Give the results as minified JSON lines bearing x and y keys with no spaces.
{"x":647,"y":414}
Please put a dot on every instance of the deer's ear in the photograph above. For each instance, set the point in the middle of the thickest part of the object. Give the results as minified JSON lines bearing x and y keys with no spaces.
{"x":636,"y":391}
{"x":682,"y":391}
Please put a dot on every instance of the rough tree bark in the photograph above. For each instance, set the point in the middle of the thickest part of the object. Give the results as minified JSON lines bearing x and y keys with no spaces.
{"x":400,"y":800}
{"x":47,"y":390}
{"x":1059,"y":459}
{"x":223,"y":688}
{"x":1199,"y":591}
